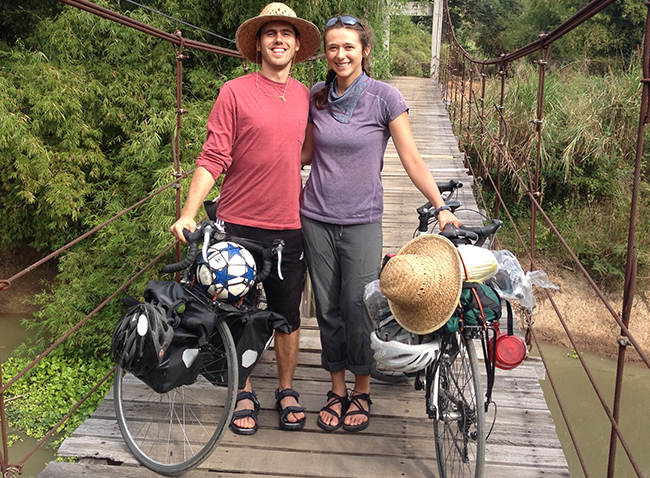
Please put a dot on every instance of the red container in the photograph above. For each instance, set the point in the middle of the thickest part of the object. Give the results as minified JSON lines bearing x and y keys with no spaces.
{"x":510,"y":350}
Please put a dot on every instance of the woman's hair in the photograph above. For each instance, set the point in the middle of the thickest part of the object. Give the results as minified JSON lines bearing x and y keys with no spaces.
{"x":365,"y":38}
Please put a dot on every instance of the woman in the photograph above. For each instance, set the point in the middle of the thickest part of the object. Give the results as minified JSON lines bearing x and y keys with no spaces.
{"x":351,"y":117}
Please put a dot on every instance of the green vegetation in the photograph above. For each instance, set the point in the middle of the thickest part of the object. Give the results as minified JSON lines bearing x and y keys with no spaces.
{"x":487,"y":28}
{"x":51,"y":389}
{"x":587,"y":159}
{"x":410,"y":46}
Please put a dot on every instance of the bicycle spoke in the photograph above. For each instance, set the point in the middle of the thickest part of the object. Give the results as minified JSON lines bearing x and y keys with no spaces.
{"x":459,"y":432}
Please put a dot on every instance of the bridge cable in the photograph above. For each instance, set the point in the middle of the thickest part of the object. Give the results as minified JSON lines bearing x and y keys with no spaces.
{"x":179,"y":21}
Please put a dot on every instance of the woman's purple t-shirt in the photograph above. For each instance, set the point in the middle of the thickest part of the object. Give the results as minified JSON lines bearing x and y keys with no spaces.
{"x":344,"y":186}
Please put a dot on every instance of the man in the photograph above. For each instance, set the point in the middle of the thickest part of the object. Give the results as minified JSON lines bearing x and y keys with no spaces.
{"x":254,"y":135}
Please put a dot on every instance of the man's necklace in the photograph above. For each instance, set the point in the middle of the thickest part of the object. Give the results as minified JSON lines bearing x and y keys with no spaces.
{"x":282,"y":96}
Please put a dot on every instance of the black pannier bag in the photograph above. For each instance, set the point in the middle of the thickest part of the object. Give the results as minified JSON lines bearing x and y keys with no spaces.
{"x":196,"y":348}
{"x":193,"y":325}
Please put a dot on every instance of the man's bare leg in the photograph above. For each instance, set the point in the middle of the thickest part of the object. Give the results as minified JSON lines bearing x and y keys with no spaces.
{"x":286,"y":355}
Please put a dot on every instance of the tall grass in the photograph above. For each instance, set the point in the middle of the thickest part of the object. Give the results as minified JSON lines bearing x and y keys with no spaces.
{"x":586,"y":162}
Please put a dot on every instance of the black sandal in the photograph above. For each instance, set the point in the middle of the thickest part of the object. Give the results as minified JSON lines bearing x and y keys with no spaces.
{"x":335,"y":400}
{"x":360,"y":411}
{"x":284,"y":412}
{"x":237,"y":414}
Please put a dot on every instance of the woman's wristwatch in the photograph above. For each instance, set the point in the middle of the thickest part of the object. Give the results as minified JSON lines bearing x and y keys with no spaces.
{"x":441,"y":208}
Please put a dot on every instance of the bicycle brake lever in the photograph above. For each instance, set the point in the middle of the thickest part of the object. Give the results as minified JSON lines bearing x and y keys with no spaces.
{"x":278,"y":249}
{"x":207,"y":232}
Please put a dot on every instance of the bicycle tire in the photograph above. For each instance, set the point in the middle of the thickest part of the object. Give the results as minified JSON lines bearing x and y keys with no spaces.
{"x":387,"y":375}
{"x":174,"y":432}
{"x":460,"y":430}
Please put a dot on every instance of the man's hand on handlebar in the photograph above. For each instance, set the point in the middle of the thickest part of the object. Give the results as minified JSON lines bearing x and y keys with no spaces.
{"x":447,"y":217}
{"x":182,"y":223}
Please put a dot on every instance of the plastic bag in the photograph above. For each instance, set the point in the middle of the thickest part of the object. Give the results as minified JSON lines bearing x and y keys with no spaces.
{"x":512,"y":283}
{"x":383,"y":321}
{"x":376,"y":302}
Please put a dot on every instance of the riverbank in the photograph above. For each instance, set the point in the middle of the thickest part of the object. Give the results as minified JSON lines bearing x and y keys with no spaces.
{"x":590,"y":323}
{"x":16,"y":299}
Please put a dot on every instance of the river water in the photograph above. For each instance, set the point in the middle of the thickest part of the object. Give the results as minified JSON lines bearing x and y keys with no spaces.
{"x":587,"y":417}
{"x":12,"y":335}
{"x":588,"y":421}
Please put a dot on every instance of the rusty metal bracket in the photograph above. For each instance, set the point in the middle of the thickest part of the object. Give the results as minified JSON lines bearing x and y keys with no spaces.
{"x":12,"y":472}
{"x":4,"y":284}
{"x":623,"y":341}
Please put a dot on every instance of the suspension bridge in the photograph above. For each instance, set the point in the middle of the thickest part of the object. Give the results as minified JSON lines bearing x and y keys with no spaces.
{"x":399,"y":440}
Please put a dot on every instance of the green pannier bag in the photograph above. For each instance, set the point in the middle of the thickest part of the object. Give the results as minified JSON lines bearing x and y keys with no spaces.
{"x":478,"y":303}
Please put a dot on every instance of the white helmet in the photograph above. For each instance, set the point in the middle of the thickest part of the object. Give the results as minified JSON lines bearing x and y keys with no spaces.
{"x":401,"y":357}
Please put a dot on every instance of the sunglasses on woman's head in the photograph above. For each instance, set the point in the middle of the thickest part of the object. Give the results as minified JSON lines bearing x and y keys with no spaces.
{"x":345,"y":20}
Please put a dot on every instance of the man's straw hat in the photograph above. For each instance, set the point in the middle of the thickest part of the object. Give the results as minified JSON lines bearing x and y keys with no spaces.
{"x":423,"y":283}
{"x":246,"y":36}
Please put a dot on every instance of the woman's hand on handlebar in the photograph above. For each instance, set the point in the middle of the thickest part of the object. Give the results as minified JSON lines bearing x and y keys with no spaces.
{"x":182,"y":223}
{"x":447,"y":217}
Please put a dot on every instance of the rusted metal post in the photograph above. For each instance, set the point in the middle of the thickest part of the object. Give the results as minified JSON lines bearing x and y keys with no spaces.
{"x":538,"y":121}
{"x":176,"y":150}
{"x":631,"y":260}
{"x":503,"y":73}
{"x":444,"y":82}
{"x":462,"y":104}
{"x":481,"y":115}
{"x":4,"y":457}
{"x":468,"y":139}
{"x":454,"y":76}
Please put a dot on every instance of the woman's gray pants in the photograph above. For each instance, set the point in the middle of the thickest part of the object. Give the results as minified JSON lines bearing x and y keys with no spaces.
{"x":341,"y":260}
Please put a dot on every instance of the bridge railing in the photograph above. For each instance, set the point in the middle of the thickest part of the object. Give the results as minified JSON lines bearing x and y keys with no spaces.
{"x":463,"y":82}
{"x":179,"y":43}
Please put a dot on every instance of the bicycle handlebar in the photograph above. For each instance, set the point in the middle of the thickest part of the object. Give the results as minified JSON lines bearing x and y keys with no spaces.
{"x":449,"y":186}
{"x":471,"y":235}
{"x":194,"y":239}
{"x":425,"y":212}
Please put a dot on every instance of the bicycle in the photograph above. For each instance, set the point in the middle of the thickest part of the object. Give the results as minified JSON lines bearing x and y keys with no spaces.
{"x":451,"y":380}
{"x":173,"y":432}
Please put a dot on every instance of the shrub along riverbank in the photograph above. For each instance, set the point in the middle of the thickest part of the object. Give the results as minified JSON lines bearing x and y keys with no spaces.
{"x":586,"y":167}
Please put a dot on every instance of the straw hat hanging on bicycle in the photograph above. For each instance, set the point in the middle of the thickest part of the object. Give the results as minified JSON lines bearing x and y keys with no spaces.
{"x":423,"y":283}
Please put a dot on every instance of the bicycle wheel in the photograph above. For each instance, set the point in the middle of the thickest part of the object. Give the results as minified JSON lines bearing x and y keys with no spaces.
{"x":384,"y":374}
{"x":459,"y":430}
{"x":173,"y":432}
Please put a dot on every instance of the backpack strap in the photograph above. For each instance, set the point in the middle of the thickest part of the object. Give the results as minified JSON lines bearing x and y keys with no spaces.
{"x":510,"y":321}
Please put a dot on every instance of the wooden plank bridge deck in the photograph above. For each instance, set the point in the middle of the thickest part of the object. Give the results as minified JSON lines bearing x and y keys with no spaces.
{"x":399,"y":441}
